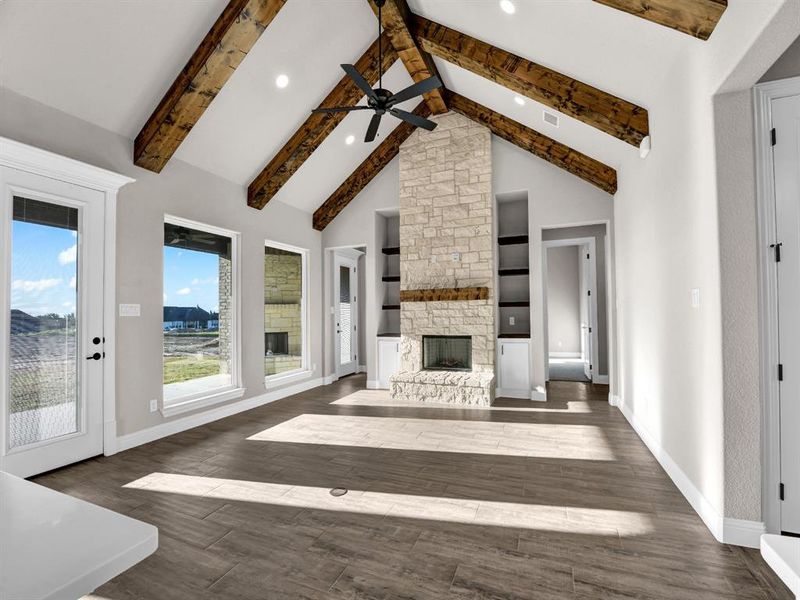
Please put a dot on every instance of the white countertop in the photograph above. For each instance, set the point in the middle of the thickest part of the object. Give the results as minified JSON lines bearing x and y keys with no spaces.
{"x":53,"y":546}
{"x":782,"y":553}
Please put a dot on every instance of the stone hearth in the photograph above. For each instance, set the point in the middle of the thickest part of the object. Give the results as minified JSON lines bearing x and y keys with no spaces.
{"x":446,"y":242}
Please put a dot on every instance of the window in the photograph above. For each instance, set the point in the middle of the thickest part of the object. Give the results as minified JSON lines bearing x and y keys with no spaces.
{"x":200,"y":315}
{"x":285,"y":326}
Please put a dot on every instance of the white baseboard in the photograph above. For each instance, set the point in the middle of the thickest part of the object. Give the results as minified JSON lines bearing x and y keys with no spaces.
{"x":602,"y":379}
{"x":504,"y":393}
{"x":564,"y":354}
{"x":539,"y":394}
{"x":374,"y":385}
{"x":144,"y":436}
{"x":726,"y":531}
{"x":361,"y":369}
{"x":613,"y":400}
{"x":329,"y":379}
{"x":742,"y":533}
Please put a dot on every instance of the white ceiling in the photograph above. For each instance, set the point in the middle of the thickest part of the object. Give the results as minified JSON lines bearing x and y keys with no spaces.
{"x":109,"y":62}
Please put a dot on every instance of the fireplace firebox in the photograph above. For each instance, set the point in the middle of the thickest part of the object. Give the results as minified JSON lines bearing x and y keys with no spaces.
{"x":276,"y":343}
{"x":446,"y":353}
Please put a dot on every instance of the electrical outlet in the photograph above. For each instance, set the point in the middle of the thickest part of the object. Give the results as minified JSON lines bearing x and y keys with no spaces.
{"x":695,"y":297}
{"x":433,"y":258}
{"x":153,"y":405}
{"x":512,"y":320}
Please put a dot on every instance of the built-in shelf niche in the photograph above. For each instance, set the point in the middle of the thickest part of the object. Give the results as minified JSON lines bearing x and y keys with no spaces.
{"x":389,"y":318}
{"x":513,"y":269}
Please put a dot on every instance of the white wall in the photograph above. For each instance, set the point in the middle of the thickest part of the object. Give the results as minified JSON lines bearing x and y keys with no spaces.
{"x":563,"y":300}
{"x":183,"y":191}
{"x":555,"y":199}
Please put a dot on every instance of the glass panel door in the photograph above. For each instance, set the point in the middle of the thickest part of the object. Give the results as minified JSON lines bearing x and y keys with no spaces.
{"x":43,"y":374}
{"x":51,"y":333}
{"x":345,"y":316}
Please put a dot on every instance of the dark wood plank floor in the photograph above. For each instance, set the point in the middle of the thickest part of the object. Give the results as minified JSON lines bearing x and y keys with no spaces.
{"x":558,"y":500}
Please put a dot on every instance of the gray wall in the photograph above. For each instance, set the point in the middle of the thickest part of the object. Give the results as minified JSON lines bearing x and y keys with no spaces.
{"x":788,"y":65}
{"x":184,"y":191}
{"x":598,"y":232}
{"x":563,"y":299}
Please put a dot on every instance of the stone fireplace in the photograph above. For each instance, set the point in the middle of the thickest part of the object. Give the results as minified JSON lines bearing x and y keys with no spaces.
{"x":446,"y":265}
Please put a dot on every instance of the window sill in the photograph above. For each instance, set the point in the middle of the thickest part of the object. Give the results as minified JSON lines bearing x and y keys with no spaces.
{"x":195,"y":403}
{"x":274,"y":381}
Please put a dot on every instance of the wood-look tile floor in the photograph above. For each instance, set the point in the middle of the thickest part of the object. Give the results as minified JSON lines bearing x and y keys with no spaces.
{"x":558,"y":500}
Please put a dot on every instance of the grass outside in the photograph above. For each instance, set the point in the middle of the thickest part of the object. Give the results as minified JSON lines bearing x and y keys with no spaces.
{"x":184,"y":368}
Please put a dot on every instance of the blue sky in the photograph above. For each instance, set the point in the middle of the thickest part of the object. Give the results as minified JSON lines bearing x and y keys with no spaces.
{"x":191,"y":278}
{"x":44,"y":269}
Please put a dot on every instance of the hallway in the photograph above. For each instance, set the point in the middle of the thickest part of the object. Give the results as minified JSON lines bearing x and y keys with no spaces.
{"x":559,"y":500}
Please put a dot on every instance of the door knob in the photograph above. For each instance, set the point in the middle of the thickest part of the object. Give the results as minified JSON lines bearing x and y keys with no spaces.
{"x":95,"y":356}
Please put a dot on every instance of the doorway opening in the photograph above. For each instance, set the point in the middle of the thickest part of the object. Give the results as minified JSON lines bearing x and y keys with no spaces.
{"x":348,"y":310}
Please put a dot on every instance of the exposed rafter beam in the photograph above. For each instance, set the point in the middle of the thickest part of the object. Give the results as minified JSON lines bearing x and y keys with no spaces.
{"x":540,"y":145}
{"x":366,"y":171}
{"x":419,"y":64}
{"x":697,"y":18}
{"x":222,"y":50}
{"x":317,"y":127}
{"x":597,"y":108}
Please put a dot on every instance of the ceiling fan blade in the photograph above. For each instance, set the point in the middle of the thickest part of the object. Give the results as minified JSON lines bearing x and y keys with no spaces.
{"x":415,"y":120}
{"x":336,"y":109}
{"x":372,"y":130}
{"x":360,"y":81}
{"x":422,"y":87}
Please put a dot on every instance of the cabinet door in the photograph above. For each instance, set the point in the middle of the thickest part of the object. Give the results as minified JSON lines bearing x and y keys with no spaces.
{"x":514,"y":366}
{"x":388,"y":360}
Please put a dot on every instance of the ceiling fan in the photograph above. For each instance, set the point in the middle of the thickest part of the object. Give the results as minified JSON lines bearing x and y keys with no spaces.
{"x":383,"y":101}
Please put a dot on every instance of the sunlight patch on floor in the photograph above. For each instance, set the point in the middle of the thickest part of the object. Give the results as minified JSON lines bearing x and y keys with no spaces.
{"x":541,"y":440}
{"x":543,"y":517}
{"x":383,"y":398}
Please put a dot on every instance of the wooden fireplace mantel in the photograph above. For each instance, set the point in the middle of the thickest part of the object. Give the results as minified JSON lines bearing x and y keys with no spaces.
{"x":444,"y":294}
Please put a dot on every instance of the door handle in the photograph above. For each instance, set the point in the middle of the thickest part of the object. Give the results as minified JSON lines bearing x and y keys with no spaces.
{"x":95,"y":356}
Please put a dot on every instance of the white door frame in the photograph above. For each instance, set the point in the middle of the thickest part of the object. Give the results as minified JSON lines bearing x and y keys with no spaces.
{"x":763,"y":95}
{"x":23,"y":157}
{"x":331,"y":253}
{"x":589,"y":241}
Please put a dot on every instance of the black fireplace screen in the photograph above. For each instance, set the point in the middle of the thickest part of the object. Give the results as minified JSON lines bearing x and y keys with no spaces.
{"x":276,"y":343}
{"x":447,"y":353}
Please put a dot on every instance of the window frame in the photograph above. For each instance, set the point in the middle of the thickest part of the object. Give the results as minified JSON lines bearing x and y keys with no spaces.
{"x":305,"y":370}
{"x":235,"y":389}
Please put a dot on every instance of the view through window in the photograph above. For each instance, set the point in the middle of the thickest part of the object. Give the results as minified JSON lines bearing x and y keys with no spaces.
{"x":198,"y":295}
{"x":283,"y":311}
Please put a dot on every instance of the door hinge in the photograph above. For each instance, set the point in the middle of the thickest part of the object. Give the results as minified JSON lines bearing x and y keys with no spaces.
{"x":780,"y":372}
{"x":780,"y":491}
{"x":774,"y":136}
{"x":590,"y":330}
{"x":587,"y":256}
{"x":591,"y":366}
{"x":777,"y":247}
{"x":589,"y":293}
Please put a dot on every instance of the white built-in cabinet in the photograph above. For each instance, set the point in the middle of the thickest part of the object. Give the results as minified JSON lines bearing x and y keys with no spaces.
{"x":388,"y":359}
{"x":513,"y":368}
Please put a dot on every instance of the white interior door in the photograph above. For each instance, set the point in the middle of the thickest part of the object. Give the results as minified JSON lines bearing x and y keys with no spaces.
{"x":786,"y":120}
{"x":346,"y":315}
{"x":51,"y":302}
{"x":586,"y":310}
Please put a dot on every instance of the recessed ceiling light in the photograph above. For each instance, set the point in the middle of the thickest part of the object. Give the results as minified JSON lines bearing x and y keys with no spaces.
{"x":349,"y":139}
{"x":508,"y":6}
{"x":519,"y":100}
{"x":282,"y":80}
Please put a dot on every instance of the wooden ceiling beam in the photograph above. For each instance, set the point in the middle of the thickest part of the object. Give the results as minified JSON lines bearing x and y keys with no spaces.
{"x":317,"y":127}
{"x":366,"y":171}
{"x":395,"y":22}
{"x":538,"y":144}
{"x":219,"y":54}
{"x":613,"y":115}
{"x":697,"y":18}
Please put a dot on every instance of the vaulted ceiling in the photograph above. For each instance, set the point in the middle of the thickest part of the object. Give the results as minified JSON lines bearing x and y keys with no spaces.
{"x":115,"y":64}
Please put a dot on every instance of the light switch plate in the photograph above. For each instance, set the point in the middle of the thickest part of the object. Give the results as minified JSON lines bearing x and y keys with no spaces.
{"x":695,"y":297}
{"x":512,"y":320}
{"x":456,"y":256}
{"x":153,"y":405}
{"x":130,"y":310}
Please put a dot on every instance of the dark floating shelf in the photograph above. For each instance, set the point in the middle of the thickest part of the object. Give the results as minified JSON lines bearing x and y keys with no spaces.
{"x":514,"y":335}
{"x":512,"y":240}
{"x":390,"y":278}
{"x":514,"y":304}
{"x":512,"y":272}
{"x":391,"y":307}
{"x":391,"y":250}
{"x":389,"y":335}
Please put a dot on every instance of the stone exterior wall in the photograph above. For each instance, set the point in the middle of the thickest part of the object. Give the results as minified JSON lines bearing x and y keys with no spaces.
{"x":225,"y":313}
{"x":283,"y":288}
{"x":446,"y":207}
